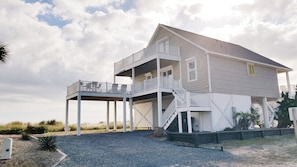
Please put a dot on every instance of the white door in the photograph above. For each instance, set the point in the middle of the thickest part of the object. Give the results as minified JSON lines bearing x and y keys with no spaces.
{"x":167,"y":78}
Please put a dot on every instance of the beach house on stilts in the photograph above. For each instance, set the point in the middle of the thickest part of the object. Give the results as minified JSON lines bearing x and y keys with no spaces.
{"x":186,"y":80}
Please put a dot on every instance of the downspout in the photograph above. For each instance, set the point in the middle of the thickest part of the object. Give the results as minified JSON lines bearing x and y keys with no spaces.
{"x":208,"y":72}
{"x":209,"y":87}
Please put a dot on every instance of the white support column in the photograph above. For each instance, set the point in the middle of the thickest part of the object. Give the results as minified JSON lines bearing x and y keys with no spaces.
{"x":180,"y":122}
{"x":288,"y":82}
{"x":66,"y":116}
{"x":131,"y":114}
{"x":107,"y":117}
{"x":115,"y":116}
{"x":133,"y":78}
{"x":189,"y":121}
{"x":265,"y":112}
{"x":78,"y":114}
{"x":124,"y":115}
{"x":159,"y":94}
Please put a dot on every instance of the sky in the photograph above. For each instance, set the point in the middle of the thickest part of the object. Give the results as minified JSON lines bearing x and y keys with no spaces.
{"x":54,"y":43}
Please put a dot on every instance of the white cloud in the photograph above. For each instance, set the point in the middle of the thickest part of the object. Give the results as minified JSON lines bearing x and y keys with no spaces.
{"x":44,"y":58}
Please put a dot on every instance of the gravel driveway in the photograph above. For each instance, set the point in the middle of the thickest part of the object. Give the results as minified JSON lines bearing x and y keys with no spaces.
{"x":135,"y":149}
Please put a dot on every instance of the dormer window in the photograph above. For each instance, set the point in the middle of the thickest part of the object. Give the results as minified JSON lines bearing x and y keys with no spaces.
{"x":251,"y":69}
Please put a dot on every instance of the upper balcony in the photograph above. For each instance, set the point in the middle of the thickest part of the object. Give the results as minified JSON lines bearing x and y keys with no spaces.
{"x":165,"y":51}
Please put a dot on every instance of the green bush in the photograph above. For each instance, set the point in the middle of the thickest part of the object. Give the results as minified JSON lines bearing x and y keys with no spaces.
{"x":12,"y":130}
{"x":36,"y":129}
{"x":48,"y":143}
{"x":282,"y":113}
{"x":25,"y":135}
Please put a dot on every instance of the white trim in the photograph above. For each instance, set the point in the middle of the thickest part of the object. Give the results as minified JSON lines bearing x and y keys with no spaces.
{"x":193,"y":59}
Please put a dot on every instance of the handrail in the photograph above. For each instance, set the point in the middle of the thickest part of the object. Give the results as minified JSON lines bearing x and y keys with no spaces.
{"x":168,"y":112}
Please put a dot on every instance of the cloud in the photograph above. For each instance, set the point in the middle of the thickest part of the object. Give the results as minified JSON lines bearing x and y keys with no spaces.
{"x":55,"y":43}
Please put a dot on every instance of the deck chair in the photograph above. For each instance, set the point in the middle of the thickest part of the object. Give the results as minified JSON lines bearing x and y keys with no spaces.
{"x":6,"y":149}
{"x":114,"y":88}
{"x":89,"y":86}
{"x":124,"y":89}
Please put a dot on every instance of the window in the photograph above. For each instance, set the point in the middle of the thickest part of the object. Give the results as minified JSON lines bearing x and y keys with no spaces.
{"x":192,"y":72}
{"x":251,"y":69}
{"x":148,"y":76}
{"x":164,"y":46}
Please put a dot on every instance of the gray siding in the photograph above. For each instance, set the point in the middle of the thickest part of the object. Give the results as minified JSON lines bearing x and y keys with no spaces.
{"x":230,"y":76}
{"x":201,"y":84}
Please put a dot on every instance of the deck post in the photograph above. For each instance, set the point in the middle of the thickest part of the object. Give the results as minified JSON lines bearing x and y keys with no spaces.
{"x":66,"y":116}
{"x":159,"y":94}
{"x":189,"y":120}
{"x":180,"y":123}
{"x":265,"y":112}
{"x":107,"y":117}
{"x":78,"y":114}
{"x":131,"y":114}
{"x":124,"y":115}
{"x":115,"y":116}
{"x":288,"y":82}
{"x":133,"y":77}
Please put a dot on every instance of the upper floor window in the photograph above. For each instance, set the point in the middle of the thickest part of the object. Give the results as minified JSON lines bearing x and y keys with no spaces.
{"x":148,"y":76}
{"x":192,"y":69}
{"x":251,"y":69}
{"x":163,"y":46}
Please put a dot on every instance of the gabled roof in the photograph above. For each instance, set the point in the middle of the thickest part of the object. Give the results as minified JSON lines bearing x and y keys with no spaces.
{"x":221,"y":48}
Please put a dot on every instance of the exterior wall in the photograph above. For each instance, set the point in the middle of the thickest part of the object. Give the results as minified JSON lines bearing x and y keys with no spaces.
{"x":230,"y":76}
{"x":201,"y":84}
{"x":222,"y":112}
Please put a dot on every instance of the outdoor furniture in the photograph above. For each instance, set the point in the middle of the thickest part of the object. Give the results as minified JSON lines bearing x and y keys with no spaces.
{"x":114,"y":88}
{"x":89,"y":86}
{"x":124,"y":89}
{"x":96,"y":86}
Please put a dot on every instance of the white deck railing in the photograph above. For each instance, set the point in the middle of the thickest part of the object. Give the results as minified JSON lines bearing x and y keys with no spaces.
{"x":105,"y":87}
{"x":99,"y":87}
{"x":142,"y":54}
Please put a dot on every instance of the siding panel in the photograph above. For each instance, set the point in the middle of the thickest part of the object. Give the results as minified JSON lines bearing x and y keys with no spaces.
{"x":230,"y":76}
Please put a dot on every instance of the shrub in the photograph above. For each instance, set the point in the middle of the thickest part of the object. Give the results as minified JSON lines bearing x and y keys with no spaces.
{"x":25,"y":135}
{"x":52,"y":122}
{"x":48,"y":143}
{"x":246,"y":118}
{"x":36,"y":129}
{"x":159,"y":132}
{"x":12,"y":130}
{"x":282,"y":113}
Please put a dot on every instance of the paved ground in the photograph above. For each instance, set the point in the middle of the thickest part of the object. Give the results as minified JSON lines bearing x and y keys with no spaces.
{"x":136,"y":149}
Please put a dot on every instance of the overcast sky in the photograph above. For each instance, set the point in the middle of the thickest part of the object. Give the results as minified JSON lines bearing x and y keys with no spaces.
{"x":54,"y":43}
